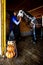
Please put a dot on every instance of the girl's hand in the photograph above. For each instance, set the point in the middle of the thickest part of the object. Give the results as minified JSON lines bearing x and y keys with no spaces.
{"x":20,"y":19}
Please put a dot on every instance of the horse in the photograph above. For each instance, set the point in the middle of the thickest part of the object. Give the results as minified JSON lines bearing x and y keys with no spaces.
{"x":28,"y":17}
{"x":32,"y":21}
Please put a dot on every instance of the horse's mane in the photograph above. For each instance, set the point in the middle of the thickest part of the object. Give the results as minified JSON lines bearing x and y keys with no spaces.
{"x":28,"y":13}
{"x":25,"y":17}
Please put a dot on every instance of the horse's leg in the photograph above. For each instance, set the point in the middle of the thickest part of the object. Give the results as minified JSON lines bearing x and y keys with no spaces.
{"x":34,"y":34}
{"x":41,"y":34}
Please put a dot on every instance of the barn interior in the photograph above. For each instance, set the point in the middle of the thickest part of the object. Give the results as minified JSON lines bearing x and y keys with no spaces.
{"x":28,"y":53}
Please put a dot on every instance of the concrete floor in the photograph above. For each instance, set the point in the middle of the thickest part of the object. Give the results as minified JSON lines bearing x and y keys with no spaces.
{"x":29,"y":53}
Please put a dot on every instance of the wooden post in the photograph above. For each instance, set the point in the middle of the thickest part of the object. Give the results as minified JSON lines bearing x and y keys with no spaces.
{"x":0,"y":27}
{"x":3,"y":31}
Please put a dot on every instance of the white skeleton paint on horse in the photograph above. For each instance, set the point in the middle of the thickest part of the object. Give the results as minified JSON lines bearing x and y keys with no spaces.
{"x":30,"y":19}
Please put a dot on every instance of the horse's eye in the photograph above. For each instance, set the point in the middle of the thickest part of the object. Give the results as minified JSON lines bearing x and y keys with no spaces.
{"x":20,"y":12}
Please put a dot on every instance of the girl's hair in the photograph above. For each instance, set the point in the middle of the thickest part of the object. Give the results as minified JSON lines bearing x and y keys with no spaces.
{"x":10,"y":12}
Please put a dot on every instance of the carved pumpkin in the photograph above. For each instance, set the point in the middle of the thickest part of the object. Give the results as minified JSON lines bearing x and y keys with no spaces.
{"x":9,"y":54}
{"x":10,"y":48}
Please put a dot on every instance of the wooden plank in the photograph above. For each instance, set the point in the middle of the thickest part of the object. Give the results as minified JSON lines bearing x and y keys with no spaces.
{"x":37,"y":12}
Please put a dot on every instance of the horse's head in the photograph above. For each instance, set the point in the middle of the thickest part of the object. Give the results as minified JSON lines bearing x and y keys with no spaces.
{"x":20,"y":13}
{"x":24,"y":15}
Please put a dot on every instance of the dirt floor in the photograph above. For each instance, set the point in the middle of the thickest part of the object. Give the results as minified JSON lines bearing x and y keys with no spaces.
{"x":29,"y":53}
